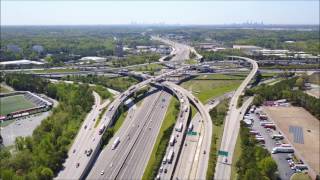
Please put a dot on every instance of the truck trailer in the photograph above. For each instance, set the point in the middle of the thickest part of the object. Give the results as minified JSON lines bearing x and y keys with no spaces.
{"x":115,"y":143}
{"x":282,"y":150}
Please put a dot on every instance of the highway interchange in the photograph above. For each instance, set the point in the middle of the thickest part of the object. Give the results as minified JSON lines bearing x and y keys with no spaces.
{"x":139,"y":131}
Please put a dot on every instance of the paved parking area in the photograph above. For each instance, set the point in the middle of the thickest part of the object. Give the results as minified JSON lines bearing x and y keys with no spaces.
{"x":302,"y":130}
{"x":21,"y":127}
{"x":285,"y":172}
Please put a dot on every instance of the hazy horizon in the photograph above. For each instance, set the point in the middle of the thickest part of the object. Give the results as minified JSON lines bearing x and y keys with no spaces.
{"x":61,"y":13}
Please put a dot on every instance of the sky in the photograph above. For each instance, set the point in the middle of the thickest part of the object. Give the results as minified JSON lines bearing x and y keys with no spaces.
{"x":169,"y":12}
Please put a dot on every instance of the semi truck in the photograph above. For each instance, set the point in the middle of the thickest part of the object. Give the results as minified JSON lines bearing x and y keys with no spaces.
{"x":170,"y":156}
{"x":115,"y":143}
{"x":172,"y":140}
{"x":282,"y":150}
{"x":101,"y":129}
{"x":179,"y":127}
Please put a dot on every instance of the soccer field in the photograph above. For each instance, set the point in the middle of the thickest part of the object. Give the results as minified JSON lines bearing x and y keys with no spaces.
{"x":14,"y":103}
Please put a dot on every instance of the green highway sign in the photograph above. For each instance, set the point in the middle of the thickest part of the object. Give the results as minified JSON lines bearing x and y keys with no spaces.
{"x":223,"y":153}
{"x":191,"y":133}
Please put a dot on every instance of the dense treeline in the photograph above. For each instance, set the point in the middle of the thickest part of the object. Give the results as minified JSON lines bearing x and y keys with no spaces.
{"x":118,"y":83}
{"x":67,"y":42}
{"x":255,"y":162}
{"x":287,"y":89}
{"x":41,"y":155}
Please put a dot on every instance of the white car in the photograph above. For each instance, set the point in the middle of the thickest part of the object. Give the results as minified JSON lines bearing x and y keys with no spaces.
{"x":102,"y":172}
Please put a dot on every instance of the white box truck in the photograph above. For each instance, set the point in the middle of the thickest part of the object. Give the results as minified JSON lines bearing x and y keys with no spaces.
{"x":179,"y":127}
{"x":115,"y":143}
{"x":170,"y":156}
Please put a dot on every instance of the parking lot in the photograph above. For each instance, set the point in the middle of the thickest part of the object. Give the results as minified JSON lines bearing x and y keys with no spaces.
{"x":23,"y":126}
{"x":284,"y":169}
{"x":301,"y":130}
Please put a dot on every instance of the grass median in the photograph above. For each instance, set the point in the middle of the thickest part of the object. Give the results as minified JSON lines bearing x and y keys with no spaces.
{"x":159,"y":149}
{"x":217,"y":115}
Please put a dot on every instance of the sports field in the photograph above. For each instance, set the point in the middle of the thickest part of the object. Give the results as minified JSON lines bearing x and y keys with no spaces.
{"x":14,"y":103}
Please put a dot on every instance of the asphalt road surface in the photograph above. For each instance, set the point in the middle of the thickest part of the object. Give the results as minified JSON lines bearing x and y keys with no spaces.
{"x":232,"y":126}
{"x":137,"y":137}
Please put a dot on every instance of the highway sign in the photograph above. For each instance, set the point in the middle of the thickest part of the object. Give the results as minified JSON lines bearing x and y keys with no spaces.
{"x":223,"y":153}
{"x":192,"y":133}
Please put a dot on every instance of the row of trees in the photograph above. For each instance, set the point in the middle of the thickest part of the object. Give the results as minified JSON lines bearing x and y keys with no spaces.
{"x":255,"y":162}
{"x":290,"y":89}
{"x":41,"y":155}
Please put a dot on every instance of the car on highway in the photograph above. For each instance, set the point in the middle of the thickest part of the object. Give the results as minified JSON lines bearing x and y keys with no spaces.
{"x":165,"y":171}
{"x":77,"y":165}
{"x":89,"y":152}
{"x":161,"y":169}
{"x":102,"y":172}
{"x":164,"y":161}
{"x":85,"y":127}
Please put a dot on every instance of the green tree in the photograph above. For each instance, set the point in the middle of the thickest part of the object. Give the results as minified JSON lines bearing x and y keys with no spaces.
{"x":46,"y":174}
{"x":268,"y":167}
{"x":299,"y":83}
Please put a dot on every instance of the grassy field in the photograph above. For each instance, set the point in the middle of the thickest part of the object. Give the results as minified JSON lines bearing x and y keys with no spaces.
{"x":4,"y":89}
{"x":206,"y":87}
{"x":148,"y":68}
{"x":161,"y":142}
{"x":55,"y":70}
{"x":14,"y":103}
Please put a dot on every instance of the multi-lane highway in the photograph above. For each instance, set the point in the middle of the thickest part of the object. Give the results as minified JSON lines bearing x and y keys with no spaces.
{"x":232,"y":125}
{"x":137,"y":136}
{"x":177,"y":136}
{"x":188,"y":159}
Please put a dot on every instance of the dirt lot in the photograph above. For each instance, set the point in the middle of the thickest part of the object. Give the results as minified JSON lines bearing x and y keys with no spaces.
{"x":285,"y":117}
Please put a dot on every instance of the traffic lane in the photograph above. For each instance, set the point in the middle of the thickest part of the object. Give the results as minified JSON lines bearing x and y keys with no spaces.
{"x":183,"y":117}
{"x":130,"y":146}
{"x":188,"y":151}
{"x":138,"y":158}
{"x":107,"y":157}
{"x":285,"y":171}
{"x":107,"y":154}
